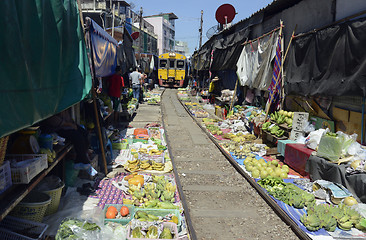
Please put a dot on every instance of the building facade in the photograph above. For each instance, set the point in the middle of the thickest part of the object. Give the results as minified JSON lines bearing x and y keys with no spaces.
{"x":115,"y":15}
{"x":181,"y":47}
{"x":164,"y":26}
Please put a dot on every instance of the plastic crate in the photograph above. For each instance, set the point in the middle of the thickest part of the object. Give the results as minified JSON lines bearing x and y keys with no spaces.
{"x":27,"y":166}
{"x":172,"y":226}
{"x":123,"y":221}
{"x":5,"y":177}
{"x":11,"y":228}
{"x":162,"y":213}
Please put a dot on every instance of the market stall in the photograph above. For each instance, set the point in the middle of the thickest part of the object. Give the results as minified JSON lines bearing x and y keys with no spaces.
{"x":248,"y":154}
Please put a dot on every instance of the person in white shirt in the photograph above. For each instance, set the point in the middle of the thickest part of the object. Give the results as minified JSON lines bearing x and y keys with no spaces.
{"x":136,"y":81}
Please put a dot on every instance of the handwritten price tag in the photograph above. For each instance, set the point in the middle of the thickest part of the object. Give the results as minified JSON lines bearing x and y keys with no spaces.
{"x":298,"y":124}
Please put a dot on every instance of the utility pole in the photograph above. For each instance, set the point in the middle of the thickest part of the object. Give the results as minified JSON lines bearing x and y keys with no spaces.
{"x":201,"y":29}
{"x":140,"y":35}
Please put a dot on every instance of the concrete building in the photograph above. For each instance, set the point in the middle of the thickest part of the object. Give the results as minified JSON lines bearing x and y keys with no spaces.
{"x":114,"y":15}
{"x":182,"y":48}
{"x":164,"y":26}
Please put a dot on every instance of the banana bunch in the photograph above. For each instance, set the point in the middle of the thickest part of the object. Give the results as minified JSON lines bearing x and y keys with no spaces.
{"x":265,"y":126}
{"x":277,"y":117}
{"x":144,"y":216}
{"x":158,"y":166}
{"x":167,"y":196}
{"x":51,"y":155}
{"x":276,"y":130}
{"x":170,"y":187}
{"x":156,"y":178}
{"x":155,"y":152}
{"x":145,"y":165}
{"x":143,"y":150}
{"x":133,"y":165}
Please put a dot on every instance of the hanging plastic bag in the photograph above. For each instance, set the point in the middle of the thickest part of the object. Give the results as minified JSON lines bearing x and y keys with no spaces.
{"x":313,"y":139}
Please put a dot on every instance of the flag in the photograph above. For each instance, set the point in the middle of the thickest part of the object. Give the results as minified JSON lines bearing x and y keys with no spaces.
{"x":275,"y":89}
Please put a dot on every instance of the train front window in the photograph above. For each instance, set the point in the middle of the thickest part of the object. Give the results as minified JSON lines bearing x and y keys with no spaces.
{"x":163,"y":63}
{"x":180,"y":64}
{"x":171,"y":63}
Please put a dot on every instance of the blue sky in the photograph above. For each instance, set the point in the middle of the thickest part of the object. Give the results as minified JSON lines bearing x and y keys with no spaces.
{"x":189,"y":14}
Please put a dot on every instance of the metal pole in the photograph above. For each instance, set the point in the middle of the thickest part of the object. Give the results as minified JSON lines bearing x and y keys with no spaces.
{"x":118,"y":6}
{"x":201,"y":29}
{"x":363,"y":120}
{"x":113,"y":20}
{"x":140,"y":36}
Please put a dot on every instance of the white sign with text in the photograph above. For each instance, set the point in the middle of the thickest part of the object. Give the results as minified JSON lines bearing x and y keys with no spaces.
{"x":299,"y":122}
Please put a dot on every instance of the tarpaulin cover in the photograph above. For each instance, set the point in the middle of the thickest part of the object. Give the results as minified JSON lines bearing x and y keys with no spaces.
{"x":296,"y":156}
{"x":44,"y":67}
{"x":227,"y":48}
{"x":329,"y":62}
{"x":104,"y":51}
{"x":254,"y":66}
{"x":320,"y":168}
{"x":125,"y":53}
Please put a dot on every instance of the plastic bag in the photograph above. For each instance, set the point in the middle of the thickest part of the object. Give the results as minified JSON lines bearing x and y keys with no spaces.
{"x":347,"y":141}
{"x":301,"y":139}
{"x":313,"y":139}
{"x":309,"y":128}
{"x":330,"y":147}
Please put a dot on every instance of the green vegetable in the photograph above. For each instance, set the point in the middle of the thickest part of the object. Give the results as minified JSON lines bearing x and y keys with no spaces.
{"x":166,"y":234}
{"x":152,"y":232}
{"x":136,"y":233}
{"x":67,"y":227}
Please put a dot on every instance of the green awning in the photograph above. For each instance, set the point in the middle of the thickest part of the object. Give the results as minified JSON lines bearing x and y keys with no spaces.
{"x":44,"y":66}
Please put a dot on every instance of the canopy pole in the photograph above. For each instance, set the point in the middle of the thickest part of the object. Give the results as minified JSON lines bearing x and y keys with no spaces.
{"x":94,"y":97}
{"x":282,"y":63}
{"x":363,"y":120}
{"x":234,"y":94}
{"x":282,"y":95}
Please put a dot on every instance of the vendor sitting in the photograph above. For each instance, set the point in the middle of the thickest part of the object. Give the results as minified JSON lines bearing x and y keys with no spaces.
{"x":64,"y":126}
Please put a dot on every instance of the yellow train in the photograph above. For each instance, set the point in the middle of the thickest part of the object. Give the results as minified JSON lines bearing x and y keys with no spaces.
{"x":172,"y":69}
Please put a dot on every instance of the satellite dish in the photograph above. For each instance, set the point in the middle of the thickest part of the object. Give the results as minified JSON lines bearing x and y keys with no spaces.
{"x":135,"y":35}
{"x":225,"y":13}
{"x":212,"y":31}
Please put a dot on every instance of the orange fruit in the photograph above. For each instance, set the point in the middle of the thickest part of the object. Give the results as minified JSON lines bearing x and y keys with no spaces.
{"x":110,"y":214}
{"x":124,"y":211}
{"x":112,"y":209}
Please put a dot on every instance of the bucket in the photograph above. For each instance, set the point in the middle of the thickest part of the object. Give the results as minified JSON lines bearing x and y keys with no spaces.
{"x":45,"y":141}
{"x":71,"y":174}
{"x":32,"y":207}
{"x":52,"y":186}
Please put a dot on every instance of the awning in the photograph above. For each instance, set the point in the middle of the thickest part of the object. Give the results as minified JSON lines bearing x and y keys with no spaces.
{"x":329,"y":62}
{"x":44,"y":67}
{"x":104,"y":50}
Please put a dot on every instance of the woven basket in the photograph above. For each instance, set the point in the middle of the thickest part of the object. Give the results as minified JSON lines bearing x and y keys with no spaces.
{"x":3,"y":144}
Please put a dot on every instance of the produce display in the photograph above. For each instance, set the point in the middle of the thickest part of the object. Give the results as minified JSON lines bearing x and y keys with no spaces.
{"x":282,"y":116}
{"x":262,"y":169}
{"x":73,"y":228}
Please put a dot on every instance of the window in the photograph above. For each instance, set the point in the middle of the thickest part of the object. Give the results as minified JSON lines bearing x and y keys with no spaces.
{"x":180,"y":64}
{"x":171,"y":63}
{"x":163,"y":63}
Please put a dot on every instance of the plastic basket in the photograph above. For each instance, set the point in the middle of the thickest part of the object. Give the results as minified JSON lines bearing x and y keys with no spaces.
{"x":119,"y":146}
{"x":172,"y":226}
{"x":12,"y":227}
{"x":5,"y":177}
{"x":27,"y":167}
{"x":55,"y":195}
{"x":3,"y":144}
{"x":32,"y":207}
{"x":162,"y":213}
{"x":123,"y":221}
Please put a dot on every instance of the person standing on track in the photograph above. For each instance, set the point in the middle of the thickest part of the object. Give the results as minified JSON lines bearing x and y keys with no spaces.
{"x":136,"y":82}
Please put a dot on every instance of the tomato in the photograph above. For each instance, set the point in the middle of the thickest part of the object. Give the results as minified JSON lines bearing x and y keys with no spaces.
{"x":124,"y":211}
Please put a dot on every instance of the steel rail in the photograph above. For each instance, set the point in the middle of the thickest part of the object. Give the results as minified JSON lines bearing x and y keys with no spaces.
{"x":280,"y":212}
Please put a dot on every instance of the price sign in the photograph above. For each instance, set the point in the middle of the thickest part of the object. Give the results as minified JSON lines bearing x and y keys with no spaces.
{"x":298,"y":124}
